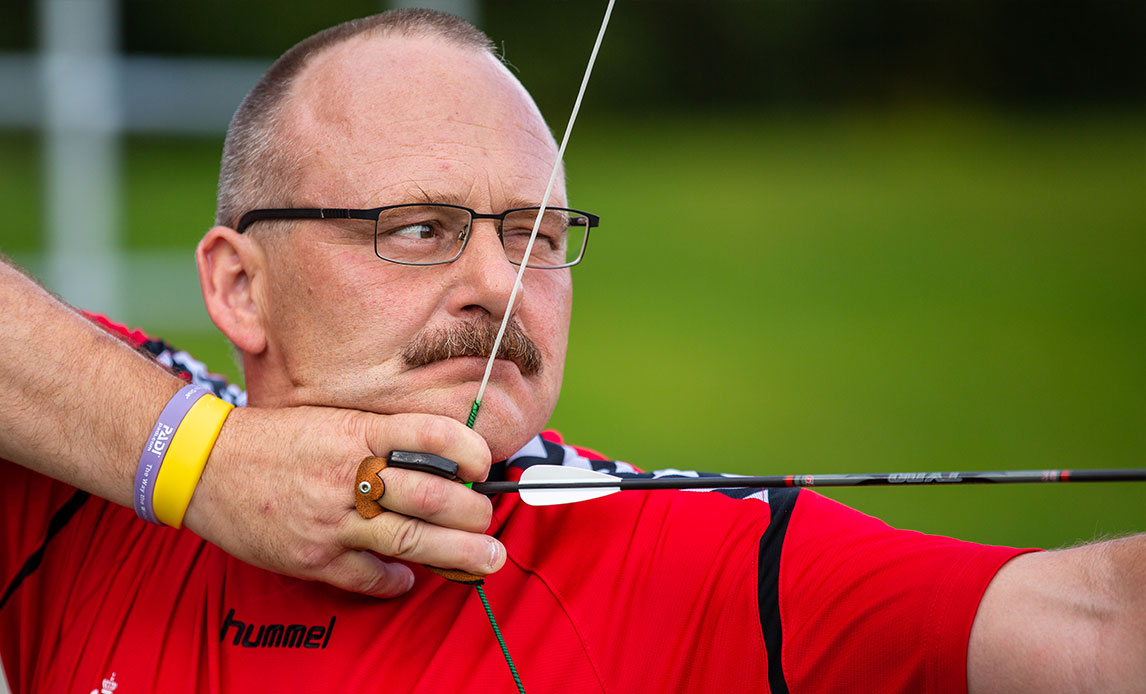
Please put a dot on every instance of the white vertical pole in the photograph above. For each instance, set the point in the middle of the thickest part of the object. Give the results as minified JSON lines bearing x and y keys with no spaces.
{"x":79,"y":40}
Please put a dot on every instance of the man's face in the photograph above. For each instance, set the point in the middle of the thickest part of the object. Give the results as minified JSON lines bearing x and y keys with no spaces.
{"x":399,"y":120}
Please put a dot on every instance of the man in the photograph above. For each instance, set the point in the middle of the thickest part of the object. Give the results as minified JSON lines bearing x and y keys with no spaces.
{"x":779,"y":592}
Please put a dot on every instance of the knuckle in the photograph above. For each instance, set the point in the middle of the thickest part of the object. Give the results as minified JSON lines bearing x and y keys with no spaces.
{"x":484,"y":514}
{"x":405,"y":536}
{"x":312,"y":558}
{"x":370,"y":583}
{"x":430,"y":496}
{"x":336,"y":473}
{"x":351,"y":424}
{"x":436,"y":433}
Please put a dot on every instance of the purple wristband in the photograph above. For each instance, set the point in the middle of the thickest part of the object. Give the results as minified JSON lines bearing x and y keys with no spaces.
{"x":153,"y":453}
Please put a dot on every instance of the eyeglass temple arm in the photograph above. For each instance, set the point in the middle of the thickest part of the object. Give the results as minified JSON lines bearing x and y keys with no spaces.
{"x":302,"y":213}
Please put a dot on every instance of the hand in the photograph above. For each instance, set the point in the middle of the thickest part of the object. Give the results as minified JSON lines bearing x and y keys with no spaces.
{"x":278,"y":493}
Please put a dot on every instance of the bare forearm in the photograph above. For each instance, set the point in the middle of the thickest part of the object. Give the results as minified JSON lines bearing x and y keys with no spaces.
{"x":77,"y":403}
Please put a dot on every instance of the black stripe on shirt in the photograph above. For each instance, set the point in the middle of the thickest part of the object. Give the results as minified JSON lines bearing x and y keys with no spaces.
{"x":780,"y":502}
{"x":554,"y":455}
{"x":55,"y":525}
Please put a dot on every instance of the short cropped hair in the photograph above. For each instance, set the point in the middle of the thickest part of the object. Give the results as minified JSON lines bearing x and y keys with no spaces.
{"x":258,"y":168}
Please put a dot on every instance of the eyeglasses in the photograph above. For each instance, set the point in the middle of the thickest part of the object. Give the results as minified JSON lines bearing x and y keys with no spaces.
{"x":434,"y":234}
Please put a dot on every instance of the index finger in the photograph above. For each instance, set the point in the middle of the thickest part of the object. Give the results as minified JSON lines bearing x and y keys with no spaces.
{"x":428,"y":433}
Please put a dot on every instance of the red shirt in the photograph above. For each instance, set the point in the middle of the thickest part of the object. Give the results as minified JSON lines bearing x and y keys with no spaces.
{"x":660,"y":591}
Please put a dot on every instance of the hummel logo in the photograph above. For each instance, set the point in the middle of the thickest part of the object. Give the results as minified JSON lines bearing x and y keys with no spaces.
{"x":276,"y":635}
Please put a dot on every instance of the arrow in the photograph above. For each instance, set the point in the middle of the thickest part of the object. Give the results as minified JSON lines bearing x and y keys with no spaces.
{"x":550,"y":485}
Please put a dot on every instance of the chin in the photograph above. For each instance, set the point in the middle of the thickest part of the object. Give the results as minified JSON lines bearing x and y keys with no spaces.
{"x":505,"y":424}
{"x":514,"y":408}
{"x":501,"y":447}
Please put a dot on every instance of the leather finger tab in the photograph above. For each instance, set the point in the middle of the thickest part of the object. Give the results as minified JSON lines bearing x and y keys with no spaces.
{"x":458,"y":576}
{"x":368,"y":486}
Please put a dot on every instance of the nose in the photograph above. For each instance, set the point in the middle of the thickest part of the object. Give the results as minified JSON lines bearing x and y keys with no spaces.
{"x":484,"y":274}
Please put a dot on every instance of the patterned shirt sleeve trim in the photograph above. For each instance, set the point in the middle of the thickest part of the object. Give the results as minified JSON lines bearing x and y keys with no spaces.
{"x":179,"y":362}
{"x":196,"y":371}
{"x":542,"y":451}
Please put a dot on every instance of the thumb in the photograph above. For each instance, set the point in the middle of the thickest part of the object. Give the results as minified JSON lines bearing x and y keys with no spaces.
{"x":363,"y":572}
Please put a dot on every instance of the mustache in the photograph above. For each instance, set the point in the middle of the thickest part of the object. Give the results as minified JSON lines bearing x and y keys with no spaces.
{"x":474,"y":339}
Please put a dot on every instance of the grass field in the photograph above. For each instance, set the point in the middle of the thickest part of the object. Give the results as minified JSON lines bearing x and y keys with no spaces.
{"x":922,"y":290}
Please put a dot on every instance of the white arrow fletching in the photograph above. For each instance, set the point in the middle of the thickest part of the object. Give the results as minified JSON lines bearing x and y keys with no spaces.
{"x":542,"y":475}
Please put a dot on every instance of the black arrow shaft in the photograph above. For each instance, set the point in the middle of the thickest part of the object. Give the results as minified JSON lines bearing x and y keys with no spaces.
{"x":891,"y":479}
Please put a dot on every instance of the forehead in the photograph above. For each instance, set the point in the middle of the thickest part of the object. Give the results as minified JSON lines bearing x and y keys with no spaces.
{"x":379,"y":120}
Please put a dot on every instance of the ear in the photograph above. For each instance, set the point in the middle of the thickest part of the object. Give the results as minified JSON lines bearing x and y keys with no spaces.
{"x":230,"y":270}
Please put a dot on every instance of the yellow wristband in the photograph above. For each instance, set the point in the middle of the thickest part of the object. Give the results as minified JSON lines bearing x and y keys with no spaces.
{"x":186,"y":457}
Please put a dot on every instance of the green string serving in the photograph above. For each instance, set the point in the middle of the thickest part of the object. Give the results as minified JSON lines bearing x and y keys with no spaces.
{"x":485,"y":602}
{"x":500,"y":639}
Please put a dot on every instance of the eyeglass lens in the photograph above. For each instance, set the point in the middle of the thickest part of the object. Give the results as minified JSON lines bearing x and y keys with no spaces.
{"x":424,"y":234}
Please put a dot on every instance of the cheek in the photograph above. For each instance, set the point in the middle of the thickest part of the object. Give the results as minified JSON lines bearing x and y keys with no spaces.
{"x":551,"y":306}
{"x":339,"y":298}
{"x":388,"y":302}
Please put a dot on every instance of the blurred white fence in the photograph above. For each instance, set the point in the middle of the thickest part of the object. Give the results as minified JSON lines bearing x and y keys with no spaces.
{"x":83,"y":93}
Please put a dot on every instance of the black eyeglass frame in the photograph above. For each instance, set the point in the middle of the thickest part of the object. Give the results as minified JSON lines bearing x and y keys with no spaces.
{"x":372,"y":215}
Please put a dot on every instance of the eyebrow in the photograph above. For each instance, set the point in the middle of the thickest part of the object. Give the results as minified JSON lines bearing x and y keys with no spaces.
{"x":419,"y":194}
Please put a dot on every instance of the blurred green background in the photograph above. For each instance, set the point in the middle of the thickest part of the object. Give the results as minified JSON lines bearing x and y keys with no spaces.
{"x":836,"y":236}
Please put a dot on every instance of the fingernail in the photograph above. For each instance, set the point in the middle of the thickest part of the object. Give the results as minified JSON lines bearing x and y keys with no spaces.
{"x":496,"y":554}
